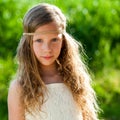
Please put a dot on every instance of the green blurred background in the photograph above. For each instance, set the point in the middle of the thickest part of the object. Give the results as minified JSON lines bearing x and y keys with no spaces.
{"x":96,"y":23}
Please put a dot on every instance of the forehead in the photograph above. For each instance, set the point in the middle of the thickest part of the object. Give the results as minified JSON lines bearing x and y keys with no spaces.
{"x":48,"y":27}
{"x":51,"y":29}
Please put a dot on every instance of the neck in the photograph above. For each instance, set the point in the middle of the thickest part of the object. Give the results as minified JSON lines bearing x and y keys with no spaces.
{"x":48,"y":70}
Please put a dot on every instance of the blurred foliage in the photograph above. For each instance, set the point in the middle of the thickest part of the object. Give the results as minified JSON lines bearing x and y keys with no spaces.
{"x":7,"y":70}
{"x":108,"y":91}
{"x":96,"y":23}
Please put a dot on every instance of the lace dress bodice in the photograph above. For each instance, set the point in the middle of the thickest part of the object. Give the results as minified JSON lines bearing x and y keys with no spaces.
{"x":59,"y":105}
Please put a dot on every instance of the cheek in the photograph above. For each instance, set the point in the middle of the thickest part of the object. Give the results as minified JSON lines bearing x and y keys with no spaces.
{"x":57,"y":46}
{"x":36,"y":50}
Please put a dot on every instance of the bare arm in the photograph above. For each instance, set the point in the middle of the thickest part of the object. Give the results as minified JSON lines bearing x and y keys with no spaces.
{"x":15,"y":108}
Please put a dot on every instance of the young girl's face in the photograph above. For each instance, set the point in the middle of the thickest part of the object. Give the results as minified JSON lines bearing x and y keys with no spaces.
{"x":47,"y":44}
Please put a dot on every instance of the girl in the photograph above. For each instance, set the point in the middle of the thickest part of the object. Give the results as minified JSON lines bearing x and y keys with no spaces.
{"x":52,"y":82}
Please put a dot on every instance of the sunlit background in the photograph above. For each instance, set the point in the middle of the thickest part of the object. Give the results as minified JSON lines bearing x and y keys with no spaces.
{"x":95,"y":23}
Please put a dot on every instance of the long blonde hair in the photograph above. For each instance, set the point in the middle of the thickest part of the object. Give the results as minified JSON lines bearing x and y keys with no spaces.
{"x":71,"y":66}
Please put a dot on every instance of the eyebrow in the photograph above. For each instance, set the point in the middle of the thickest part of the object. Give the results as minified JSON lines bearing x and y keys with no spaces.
{"x":45,"y":32}
{"x":55,"y":37}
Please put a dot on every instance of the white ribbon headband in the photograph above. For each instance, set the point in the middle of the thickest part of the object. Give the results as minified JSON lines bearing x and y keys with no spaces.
{"x":45,"y":32}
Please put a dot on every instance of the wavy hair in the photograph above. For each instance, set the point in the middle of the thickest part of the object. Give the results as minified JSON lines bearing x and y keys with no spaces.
{"x":71,"y":65}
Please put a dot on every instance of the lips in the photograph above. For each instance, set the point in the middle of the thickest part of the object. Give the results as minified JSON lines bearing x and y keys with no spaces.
{"x":47,"y":57}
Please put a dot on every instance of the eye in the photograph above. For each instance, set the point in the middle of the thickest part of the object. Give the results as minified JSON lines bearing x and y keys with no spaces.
{"x":38,"y":40}
{"x":55,"y":39}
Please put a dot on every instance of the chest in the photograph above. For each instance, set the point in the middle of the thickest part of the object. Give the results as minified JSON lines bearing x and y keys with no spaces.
{"x":59,"y":105}
{"x":52,"y":79}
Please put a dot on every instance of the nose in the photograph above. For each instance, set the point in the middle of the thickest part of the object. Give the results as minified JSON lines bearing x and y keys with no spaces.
{"x":46,"y":47}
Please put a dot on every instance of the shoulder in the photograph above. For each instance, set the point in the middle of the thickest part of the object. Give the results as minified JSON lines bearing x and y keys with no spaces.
{"x":14,"y":84}
{"x":15,"y":107}
{"x":14,"y":89}
{"x":14,"y":92}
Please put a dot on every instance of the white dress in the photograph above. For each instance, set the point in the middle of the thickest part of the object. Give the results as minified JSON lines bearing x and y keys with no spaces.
{"x":60,"y":105}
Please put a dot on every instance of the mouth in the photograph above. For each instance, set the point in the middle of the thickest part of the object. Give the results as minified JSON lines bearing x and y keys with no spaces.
{"x":47,"y":57}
